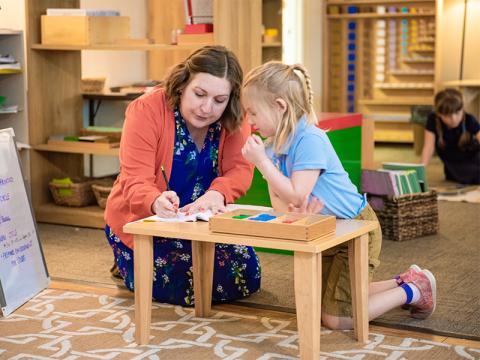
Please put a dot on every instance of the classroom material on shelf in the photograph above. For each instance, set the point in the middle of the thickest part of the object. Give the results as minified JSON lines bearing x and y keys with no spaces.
{"x":112,"y":133}
{"x":83,"y":30}
{"x":198,"y":11}
{"x":92,"y":84}
{"x":377,"y":53}
{"x":198,"y":28}
{"x":9,"y":109}
{"x":9,"y":65}
{"x":291,"y":226}
{"x":195,"y":39}
{"x":23,"y":271}
{"x":181,"y":217}
{"x":136,"y":88}
{"x":90,"y":142}
{"x":81,"y":12}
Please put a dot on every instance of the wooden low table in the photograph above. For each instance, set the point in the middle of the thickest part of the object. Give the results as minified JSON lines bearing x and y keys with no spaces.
{"x":307,"y":273}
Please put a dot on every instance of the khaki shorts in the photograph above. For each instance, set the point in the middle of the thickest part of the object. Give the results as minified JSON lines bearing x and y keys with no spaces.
{"x":336,"y":296}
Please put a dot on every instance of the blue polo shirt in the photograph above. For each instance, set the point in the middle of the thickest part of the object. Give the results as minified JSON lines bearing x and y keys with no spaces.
{"x":309,"y":148}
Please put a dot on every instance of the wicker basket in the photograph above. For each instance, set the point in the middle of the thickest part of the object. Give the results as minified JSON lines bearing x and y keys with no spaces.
{"x":101,"y":193}
{"x":92,"y":85}
{"x":407,"y":217}
{"x":76,"y":193}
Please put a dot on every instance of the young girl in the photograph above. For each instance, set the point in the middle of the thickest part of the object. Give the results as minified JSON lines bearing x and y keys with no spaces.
{"x":455,"y":135}
{"x":300,"y":163}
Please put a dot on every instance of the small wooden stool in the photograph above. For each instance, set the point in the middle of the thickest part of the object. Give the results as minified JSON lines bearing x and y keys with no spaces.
{"x":307,"y":273}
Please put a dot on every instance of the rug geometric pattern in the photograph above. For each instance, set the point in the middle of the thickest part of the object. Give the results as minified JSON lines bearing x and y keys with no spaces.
{"x":69,"y":325}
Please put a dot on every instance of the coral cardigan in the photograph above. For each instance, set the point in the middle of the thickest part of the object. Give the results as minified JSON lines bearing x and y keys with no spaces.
{"x":147,"y":143}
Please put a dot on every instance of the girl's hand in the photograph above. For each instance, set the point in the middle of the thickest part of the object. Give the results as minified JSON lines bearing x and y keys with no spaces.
{"x":308,"y":206}
{"x":254,"y":150}
{"x":166,"y":205}
{"x":212,"y":200}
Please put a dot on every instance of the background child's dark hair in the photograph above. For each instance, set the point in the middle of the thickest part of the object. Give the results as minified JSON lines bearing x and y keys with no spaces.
{"x":448,"y":102}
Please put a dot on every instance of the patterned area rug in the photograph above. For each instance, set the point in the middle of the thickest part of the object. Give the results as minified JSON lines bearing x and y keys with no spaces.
{"x":72,"y":325}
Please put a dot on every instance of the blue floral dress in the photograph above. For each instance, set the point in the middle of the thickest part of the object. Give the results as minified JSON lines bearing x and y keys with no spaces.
{"x":236,"y":269}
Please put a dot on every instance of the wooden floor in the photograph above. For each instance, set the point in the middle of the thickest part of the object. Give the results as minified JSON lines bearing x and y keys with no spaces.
{"x":121,"y":292}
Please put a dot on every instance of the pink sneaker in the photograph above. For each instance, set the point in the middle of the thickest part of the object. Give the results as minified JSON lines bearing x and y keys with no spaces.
{"x":408,"y":275}
{"x":427,"y":285}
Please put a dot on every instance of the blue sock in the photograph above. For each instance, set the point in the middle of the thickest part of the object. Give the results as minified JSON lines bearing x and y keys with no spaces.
{"x":408,"y":291}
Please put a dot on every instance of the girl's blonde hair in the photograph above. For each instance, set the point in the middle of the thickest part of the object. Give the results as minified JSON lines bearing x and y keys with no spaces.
{"x":292,"y":84}
{"x":449,"y":102}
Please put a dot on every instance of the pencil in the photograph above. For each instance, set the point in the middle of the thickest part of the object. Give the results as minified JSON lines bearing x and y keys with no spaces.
{"x":165,"y":177}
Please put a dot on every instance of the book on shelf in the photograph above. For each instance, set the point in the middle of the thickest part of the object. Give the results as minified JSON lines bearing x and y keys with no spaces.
{"x":81,"y":12}
{"x":181,"y":217}
{"x":419,"y":169}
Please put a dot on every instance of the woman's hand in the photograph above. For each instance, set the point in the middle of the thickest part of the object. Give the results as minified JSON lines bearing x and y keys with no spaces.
{"x":166,"y":205}
{"x":254,"y":150}
{"x":212,"y":200}
{"x":309,"y":206}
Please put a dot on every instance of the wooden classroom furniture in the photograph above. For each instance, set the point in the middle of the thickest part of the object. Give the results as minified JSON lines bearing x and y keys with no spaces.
{"x":307,"y":273}
{"x":379,"y":60}
{"x":56,"y":103}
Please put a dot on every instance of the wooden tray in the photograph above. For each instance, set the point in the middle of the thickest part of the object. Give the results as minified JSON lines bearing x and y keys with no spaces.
{"x":290,"y":226}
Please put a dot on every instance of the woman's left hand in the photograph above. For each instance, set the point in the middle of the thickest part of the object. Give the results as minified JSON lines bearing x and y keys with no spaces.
{"x":212,"y":200}
{"x":254,"y":150}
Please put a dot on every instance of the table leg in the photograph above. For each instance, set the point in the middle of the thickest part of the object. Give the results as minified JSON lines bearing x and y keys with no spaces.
{"x":308,"y":288}
{"x":358,"y":264}
{"x":203,"y":260}
{"x":143,"y":278}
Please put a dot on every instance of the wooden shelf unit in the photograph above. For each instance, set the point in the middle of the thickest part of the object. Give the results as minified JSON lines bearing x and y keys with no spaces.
{"x":272,"y":18}
{"x":54,"y":75}
{"x":377,"y":16}
{"x":118,"y":47}
{"x":378,"y":64}
{"x":379,"y":2}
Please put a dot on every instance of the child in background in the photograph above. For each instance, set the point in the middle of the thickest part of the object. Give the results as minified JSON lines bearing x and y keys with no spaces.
{"x":299,"y":164}
{"x":455,"y":135}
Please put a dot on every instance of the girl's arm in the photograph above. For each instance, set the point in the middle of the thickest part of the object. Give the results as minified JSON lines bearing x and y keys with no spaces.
{"x":287,"y":190}
{"x":478,"y":136}
{"x":428,"y":147}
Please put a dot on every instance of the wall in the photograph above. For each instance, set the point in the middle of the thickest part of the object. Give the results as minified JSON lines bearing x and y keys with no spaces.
{"x":471,"y":68}
{"x":12,"y":14}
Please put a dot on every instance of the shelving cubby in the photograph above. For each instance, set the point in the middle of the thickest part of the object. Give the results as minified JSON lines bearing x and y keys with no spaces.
{"x":381,"y":62}
{"x":56,"y":101}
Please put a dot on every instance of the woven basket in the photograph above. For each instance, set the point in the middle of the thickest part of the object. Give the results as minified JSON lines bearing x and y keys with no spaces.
{"x":79,"y":193}
{"x":407,"y":217}
{"x":101,"y":193}
{"x":92,"y":85}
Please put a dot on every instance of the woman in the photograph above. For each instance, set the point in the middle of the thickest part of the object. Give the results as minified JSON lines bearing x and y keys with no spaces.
{"x":193,"y":128}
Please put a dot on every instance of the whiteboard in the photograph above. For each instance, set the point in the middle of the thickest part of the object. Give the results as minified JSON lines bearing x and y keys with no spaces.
{"x":23,"y":272}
